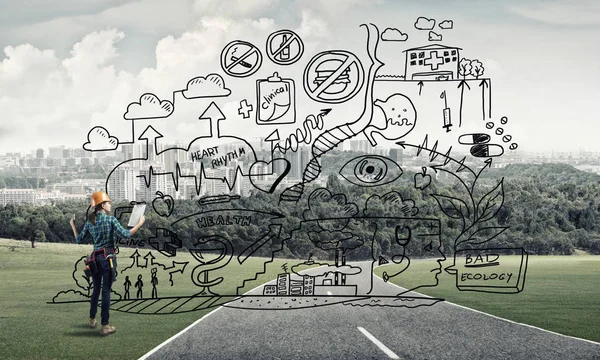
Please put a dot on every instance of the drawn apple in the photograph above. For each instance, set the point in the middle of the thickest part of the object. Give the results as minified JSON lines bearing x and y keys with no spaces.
{"x":163,"y":204}
{"x":422,"y":179}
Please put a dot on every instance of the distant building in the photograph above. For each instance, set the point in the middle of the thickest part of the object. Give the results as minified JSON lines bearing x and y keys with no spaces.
{"x":122,"y":184}
{"x":39,"y":153}
{"x":17,"y":196}
{"x":432,"y":62}
{"x":56,"y":152}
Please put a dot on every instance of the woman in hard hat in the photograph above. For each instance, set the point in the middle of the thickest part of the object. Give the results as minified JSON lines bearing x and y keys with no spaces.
{"x":105,"y":230}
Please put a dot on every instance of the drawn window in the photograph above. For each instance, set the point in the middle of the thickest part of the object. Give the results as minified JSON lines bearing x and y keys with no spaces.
{"x":454,"y":58}
{"x":413,"y":63}
{"x":413,"y":56}
{"x":447,"y":60}
{"x":421,"y":55}
{"x":453,"y":52}
{"x":446,"y":53}
{"x":420,"y":62}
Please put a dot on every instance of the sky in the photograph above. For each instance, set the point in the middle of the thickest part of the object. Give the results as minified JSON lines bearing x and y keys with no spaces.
{"x":68,"y":66}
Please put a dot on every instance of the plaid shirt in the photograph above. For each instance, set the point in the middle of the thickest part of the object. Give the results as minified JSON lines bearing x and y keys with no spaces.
{"x":105,"y":232}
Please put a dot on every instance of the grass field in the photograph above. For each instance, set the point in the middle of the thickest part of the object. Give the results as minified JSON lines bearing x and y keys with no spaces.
{"x":561,"y":294}
{"x":32,"y":329}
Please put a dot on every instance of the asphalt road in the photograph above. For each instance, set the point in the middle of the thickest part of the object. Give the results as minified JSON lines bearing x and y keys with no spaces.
{"x":441,"y":331}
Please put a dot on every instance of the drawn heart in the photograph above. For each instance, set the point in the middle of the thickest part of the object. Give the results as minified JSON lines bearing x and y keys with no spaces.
{"x":257,"y":170}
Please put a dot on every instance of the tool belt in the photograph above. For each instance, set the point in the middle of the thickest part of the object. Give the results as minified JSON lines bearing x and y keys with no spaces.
{"x":92,"y":266}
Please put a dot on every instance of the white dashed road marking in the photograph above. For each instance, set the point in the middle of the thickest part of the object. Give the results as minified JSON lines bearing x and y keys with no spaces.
{"x":379,"y":344}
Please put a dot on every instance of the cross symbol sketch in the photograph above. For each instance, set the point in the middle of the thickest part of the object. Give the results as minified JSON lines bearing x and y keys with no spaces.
{"x":434,"y":63}
{"x":165,"y":241}
{"x":245,"y":109}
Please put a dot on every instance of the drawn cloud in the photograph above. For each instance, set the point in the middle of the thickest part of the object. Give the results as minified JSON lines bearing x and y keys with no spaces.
{"x":424,"y":23}
{"x":212,"y":85}
{"x":332,"y":212}
{"x":325,"y":269}
{"x":434,"y":36}
{"x":149,"y":107}
{"x":446,"y":24}
{"x":100,"y":140}
{"x":392,"y":201}
{"x":393,"y":34}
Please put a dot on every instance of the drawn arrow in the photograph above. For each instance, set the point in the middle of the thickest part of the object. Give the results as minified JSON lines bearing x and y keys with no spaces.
{"x":134,"y":261}
{"x":148,"y":134}
{"x":420,"y":84}
{"x":461,"y":85}
{"x":273,"y":138}
{"x":483,"y":84}
{"x":488,"y":164}
{"x":149,"y":255}
{"x":274,"y":232}
{"x":175,"y":267}
{"x":214,"y":115}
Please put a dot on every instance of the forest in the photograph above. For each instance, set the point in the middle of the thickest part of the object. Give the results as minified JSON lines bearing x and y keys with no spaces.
{"x":546,"y":209}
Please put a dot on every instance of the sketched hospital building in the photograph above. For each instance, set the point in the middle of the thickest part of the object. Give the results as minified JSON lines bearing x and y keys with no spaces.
{"x":432,"y":62}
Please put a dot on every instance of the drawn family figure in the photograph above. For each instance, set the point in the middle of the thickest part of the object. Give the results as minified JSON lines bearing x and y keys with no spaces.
{"x":127,"y":285}
{"x":154,"y":282}
{"x":139,"y":284}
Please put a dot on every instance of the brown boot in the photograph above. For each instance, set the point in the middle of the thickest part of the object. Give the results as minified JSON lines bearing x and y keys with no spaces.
{"x":92,"y":323}
{"x":107,"y":330}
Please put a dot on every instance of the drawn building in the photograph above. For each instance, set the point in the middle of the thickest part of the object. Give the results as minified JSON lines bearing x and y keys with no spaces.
{"x":288,"y":286}
{"x":432,"y":62}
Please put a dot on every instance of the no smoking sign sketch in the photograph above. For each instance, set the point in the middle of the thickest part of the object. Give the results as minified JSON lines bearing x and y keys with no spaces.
{"x":240,"y":59}
{"x":284,"y":47}
{"x":333,"y":77}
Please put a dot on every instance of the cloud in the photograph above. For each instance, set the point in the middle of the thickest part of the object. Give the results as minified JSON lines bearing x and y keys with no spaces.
{"x":392,"y":202}
{"x":235,"y":8}
{"x":560,"y":12}
{"x":433,"y":36}
{"x":212,"y":85}
{"x":446,"y":24}
{"x":149,"y":107}
{"x":424,"y":23}
{"x":100,"y":140}
{"x":393,"y":34}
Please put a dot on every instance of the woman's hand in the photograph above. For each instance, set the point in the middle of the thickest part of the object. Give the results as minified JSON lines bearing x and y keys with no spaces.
{"x":72,"y":221}
{"x":142,"y":220}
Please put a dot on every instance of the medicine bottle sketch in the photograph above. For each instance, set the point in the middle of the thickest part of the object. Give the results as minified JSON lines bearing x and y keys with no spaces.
{"x":276,"y":99}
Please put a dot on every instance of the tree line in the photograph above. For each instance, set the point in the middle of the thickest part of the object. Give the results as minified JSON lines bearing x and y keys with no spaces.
{"x":548,"y":209}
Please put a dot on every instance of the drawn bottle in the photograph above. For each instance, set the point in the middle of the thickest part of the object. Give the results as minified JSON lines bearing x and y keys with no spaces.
{"x":285,"y":52}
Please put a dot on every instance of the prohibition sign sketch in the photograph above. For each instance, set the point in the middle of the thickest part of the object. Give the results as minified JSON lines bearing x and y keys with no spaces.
{"x":333,"y":76}
{"x":284,"y":47}
{"x":240,"y":59}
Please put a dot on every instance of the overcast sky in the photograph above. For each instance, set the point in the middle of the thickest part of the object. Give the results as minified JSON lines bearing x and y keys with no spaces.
{"x":69,"y":65}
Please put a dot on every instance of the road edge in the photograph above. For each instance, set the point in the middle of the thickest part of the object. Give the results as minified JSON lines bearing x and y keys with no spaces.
{"x":494,"y":316}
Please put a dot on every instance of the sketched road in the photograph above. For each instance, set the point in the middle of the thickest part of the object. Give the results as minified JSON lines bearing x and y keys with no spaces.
{"x":441,"y":331}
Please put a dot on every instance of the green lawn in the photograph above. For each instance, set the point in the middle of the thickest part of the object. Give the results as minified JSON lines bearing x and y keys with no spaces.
{"x":561,"y":294}
{"x":32,"y":329}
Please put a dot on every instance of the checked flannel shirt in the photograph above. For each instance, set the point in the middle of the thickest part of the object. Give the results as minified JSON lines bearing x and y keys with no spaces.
{"x":105,"y":232}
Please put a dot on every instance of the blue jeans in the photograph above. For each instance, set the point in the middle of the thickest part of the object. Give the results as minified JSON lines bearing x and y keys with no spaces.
{"x":102,"y":280}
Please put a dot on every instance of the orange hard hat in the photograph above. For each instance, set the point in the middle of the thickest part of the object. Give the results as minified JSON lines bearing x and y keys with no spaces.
{"x":99,"y":197}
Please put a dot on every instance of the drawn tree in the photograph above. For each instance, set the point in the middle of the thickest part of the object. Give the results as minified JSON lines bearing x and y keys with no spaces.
{"x":332,"y":214}
{"x":478,"y":68}
{"x":465,"y":67}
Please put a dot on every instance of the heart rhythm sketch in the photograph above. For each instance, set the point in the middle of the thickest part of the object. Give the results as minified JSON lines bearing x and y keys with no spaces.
{"x":321,"y":205}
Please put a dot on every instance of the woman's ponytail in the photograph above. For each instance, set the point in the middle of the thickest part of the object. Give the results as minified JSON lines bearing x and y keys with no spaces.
{"x":92,"y":216}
